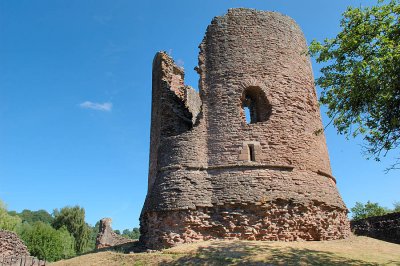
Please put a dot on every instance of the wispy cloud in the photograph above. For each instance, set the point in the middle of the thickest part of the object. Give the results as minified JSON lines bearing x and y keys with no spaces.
{"x":102,"y":19}
{"x":105,"y":107}
{"x":113,"y":49}
{"x":180,"y":63}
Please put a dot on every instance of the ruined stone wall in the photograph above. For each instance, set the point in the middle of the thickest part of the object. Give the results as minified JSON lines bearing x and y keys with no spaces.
{"x":177,"y":141}
{"x":385,"y":227}
{"x":214,"y":175}
{"x":11,"y":245}
{"x":106,"y":236}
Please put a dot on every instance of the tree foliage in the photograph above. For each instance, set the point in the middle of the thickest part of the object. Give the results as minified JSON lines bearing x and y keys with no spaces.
{"x":396,"y":206}
{"x":361,"y":211}
{"x":134,"y":234}
{"x":73,"y":218}
{"x":51,"y":237}
{"x":35,"y":216}
{"x":94,"y":230}
{"x":7,"y":221}
{"x":47,"y":243}
{"x":361,"y":77}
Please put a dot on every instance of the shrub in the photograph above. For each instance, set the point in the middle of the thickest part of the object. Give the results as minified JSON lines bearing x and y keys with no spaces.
{"x":7,"y":221}
{"x":47,"y":243}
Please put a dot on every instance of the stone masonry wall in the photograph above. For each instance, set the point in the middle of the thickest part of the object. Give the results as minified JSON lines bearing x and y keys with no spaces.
{"x":385,"y":227}
{"x":214,"y":175}
{"x":280,"y":220}
{"x":249,"y":48}
{"x":107,"y":237}
{"x":177,"y":134}
{"x":11,"y":245}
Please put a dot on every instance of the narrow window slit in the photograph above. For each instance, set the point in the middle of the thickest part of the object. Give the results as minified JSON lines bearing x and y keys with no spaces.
{"x":252,"y":155}
{"x":247,"y":114}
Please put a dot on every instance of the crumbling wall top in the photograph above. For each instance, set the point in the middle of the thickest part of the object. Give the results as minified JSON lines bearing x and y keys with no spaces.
{"x":107,"y":237}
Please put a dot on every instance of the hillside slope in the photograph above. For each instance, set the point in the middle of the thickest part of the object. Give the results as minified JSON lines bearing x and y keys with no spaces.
{"x":351,"y":251}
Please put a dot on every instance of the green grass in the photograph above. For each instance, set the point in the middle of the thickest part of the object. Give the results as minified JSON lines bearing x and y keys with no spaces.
{"x":351,"y":251}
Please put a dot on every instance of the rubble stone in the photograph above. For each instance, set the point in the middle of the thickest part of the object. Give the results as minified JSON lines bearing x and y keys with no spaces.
{"x":11,"y":245}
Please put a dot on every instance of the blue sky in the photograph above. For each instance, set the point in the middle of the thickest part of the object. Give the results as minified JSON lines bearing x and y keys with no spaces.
{"x":75,"y":91}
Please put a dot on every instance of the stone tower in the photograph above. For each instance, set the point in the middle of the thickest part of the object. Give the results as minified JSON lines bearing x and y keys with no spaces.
{"x":213,"y":174}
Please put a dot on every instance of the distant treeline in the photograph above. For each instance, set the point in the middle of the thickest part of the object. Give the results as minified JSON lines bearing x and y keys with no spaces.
{"x":371,"y":209}
{"x":60,"y":235}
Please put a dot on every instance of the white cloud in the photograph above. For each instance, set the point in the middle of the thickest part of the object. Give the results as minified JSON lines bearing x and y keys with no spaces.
{"x":102,"y":19}
{"x":106,"y":107}
{"x":180,"y":63}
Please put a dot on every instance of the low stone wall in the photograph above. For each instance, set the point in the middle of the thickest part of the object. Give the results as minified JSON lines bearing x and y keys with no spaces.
{"x":21,"y":260}
{"x":277,"y":221}
{"x":385,"y":227}
{"x":12,"y":245}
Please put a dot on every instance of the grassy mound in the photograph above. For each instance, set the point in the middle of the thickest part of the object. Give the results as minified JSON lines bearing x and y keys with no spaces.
{"x":351,"y":251}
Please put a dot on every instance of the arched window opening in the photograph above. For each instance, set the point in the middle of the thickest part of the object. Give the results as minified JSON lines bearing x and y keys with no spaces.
{"x":255,"y":105}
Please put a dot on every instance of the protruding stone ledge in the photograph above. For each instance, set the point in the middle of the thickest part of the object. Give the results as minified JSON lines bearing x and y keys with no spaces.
{"x":244,"y":165}
{"x":229,"y":166}
{"x":326,"y":175}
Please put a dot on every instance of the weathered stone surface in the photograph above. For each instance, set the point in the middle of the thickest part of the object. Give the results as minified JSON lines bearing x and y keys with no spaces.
{"x":107,"y":237}
{"x":280,"y":221}
{"x":212,"y":174}
{"x":385,"y":227}
{"x":11,"y":245}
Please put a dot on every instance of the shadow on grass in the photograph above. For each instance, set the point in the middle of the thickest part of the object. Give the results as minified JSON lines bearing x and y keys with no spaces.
{"x":254,"y":254}
{"x":134,"y":246}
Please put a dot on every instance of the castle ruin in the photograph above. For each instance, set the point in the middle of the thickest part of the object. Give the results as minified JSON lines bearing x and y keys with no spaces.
{"x":215,"y":174}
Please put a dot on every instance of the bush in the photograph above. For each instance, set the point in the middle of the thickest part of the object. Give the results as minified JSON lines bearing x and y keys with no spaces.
{"x":47,"y":243}
{"x":7,"y":221}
